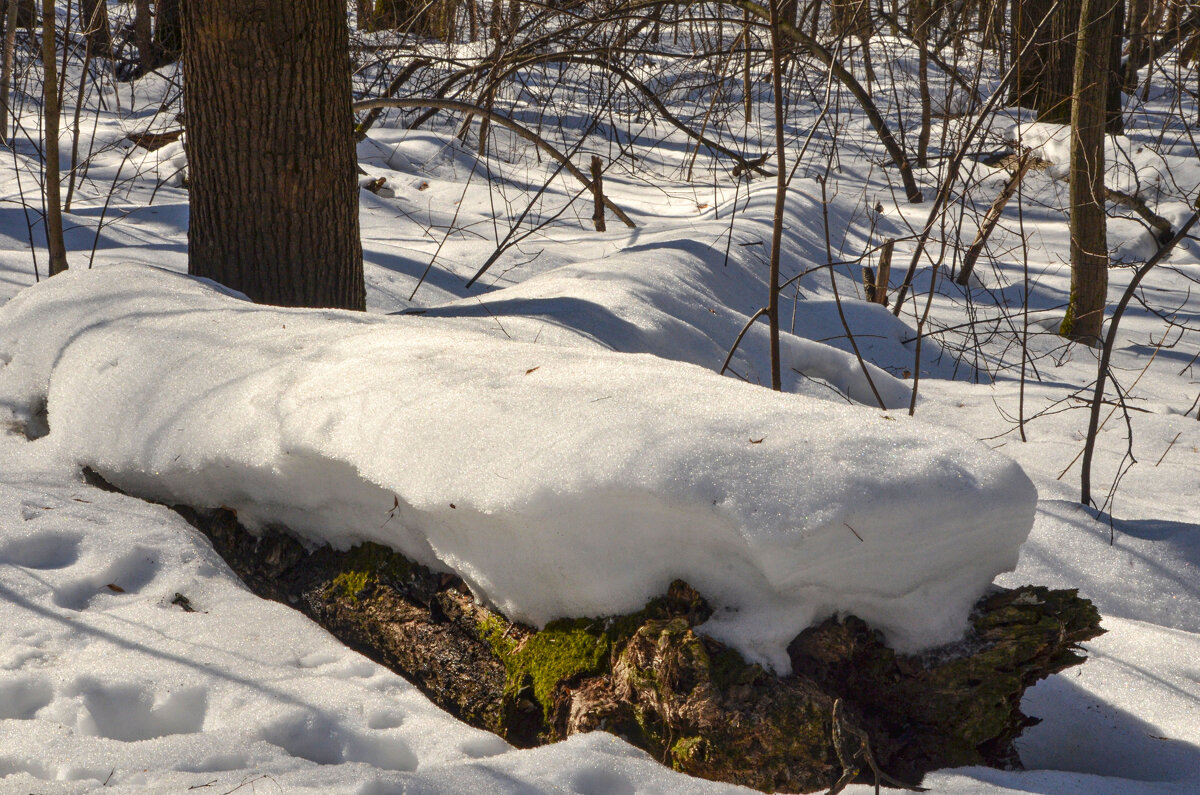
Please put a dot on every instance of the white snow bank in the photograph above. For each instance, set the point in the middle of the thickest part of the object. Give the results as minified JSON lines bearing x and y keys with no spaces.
{"x":557,"y":482}
{"x":1134,"y":167}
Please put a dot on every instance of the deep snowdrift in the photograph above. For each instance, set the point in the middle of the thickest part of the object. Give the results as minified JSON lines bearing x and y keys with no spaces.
{"x":555,"y":481}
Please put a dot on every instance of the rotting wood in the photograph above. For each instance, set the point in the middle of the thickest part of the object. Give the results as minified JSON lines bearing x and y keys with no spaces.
{"x":653,"y":679}
{"x":152,"y":141}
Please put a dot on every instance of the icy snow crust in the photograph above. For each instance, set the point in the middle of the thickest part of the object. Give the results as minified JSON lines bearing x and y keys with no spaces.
{"x":556,"y":481}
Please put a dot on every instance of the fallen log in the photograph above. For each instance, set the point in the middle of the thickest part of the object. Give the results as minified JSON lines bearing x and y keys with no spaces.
{"x":852,"y":707}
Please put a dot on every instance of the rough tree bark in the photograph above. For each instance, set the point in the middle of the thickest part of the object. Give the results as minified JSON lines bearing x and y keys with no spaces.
{"x":432,"y":19}
{"x":1045,"y":79}
{"x":6,"y":66}
{"x":1045,"y":70}
{"x":96,"y":29}
{"x":271,"y":151}
{"x":168,"y":34}
{"x":1089,"y":237}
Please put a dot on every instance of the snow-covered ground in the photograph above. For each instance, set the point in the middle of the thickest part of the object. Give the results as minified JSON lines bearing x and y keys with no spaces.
{"x":529,"y":433}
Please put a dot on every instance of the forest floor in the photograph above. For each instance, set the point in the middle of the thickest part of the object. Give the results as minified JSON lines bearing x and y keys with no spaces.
{"x":108,"y":679}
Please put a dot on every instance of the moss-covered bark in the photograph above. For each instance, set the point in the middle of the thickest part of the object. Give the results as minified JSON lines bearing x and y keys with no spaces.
{"x":651,"y":678}
{"x":954,"y":706}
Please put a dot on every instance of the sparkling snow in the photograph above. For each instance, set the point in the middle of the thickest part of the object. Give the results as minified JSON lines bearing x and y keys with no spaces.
{"x":557,"y":482}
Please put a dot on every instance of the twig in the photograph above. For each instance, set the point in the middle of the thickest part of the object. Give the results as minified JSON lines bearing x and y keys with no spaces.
{"x":1085,"y":478}
{"x":738,"y":341}
{"x":1169,"y":446}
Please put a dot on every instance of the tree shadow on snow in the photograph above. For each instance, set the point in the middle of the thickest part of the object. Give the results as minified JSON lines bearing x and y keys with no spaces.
{"x":1084,"y":745}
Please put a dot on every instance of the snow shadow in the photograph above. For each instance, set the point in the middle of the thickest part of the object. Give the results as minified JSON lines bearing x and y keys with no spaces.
{"x":1082,"y":734}
{"x":108,"y":702}
{"x":573,"y":314}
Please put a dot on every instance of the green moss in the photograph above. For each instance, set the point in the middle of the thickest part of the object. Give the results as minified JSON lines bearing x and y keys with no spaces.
{"x":494,"y":632}
{"x":688,"y":749}
{"x":349,"y":584}
{"x":568,"y":648}
{"x":364,"y":565}
{"x":561,"y":651}
{"x":728,"y":669}
{"x":1067,"y":327}
{"x":379,"y":561}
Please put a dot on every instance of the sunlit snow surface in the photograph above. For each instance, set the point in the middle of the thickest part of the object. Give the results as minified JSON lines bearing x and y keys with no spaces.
{"x":557,"y":482}
{"x":107,"y":685}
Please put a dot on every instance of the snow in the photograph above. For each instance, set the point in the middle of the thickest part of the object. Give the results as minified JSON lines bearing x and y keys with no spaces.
{"x":118,"y":688}
{"x":558,"y":482}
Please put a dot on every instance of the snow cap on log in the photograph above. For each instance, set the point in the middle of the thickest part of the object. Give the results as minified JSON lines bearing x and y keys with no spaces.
{"x":557,"y":482}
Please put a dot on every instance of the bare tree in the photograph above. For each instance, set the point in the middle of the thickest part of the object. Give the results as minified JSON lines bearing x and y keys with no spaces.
{"x":1089,"y":238}
{"x":53,"y":177}
{"x":6,"y":67}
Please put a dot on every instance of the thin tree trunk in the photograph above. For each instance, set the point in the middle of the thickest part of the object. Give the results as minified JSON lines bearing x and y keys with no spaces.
{"x":598,"y":194}
{"x":54,"y":224}
{"x":1089,"y":238}
{"x":921,"y":18}
{"x":747,"y":83}
{"x":6,"y":66}
{"x":271,"y":151}
{"x":993,"y":217}
{"x":1138,"y":9}
{"x":79,"y":100}
{"x":777,"y":46}
{"x":999,"y":31}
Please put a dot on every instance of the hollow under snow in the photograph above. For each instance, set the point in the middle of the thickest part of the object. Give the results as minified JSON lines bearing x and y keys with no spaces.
{"x":556,"y":481}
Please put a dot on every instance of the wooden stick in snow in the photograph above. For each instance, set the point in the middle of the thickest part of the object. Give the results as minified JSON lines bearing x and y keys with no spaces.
{"x":993,"y":217}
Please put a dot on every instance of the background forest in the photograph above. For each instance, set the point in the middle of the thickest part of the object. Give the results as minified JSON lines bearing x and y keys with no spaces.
{"x":499,"y":254}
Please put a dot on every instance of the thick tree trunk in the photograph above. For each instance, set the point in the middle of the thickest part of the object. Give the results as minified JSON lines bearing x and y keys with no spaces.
{"x":271,"y":151}
{"x":143,"y":36}
{"x":432,"y":19}
{"x":96,"y":29}
{"x":168,"y":32}
{"x":655,"y":680}
{"x":1089,"y":238}
{"x":1045,"y":79}
{"x":1045,"y":70}
{"x":1114,"y":114}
